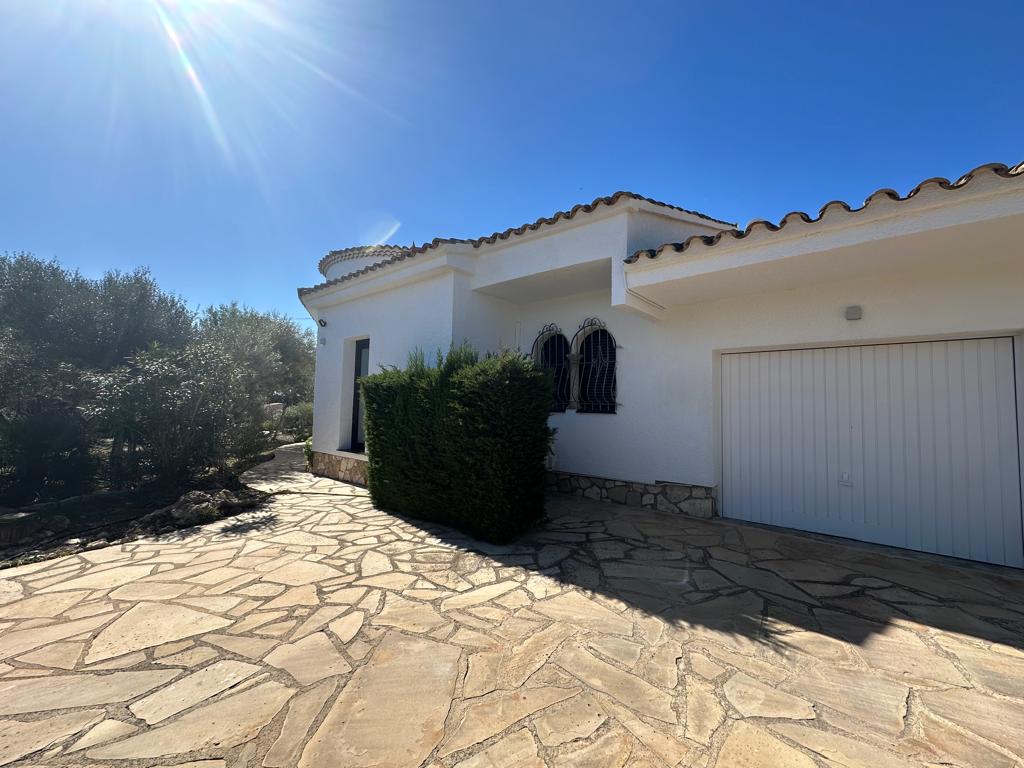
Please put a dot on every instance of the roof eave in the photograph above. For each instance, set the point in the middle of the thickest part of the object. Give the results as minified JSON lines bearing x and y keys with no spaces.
{"x":701,"y":243}
{"x":380,"y":276}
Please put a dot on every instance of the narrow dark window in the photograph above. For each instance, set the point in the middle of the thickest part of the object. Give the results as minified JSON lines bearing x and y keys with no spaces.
{"x":597,"y":373}
{"x":360,"y":369}
{"x":551,"y":352}
{"x":554,"y":356}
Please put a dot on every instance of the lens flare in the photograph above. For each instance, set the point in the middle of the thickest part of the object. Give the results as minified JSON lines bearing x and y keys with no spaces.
{"x":253,"y":86}
{"x":254,"y":67}
{"x":209,"y":113}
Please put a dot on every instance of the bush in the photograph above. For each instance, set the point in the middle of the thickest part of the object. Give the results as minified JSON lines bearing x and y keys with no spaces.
{"x":175,"y":392}
{"x":276,"y":353}
{"x":185,"y":411}
{"x":462,"y":443}
{"x":44,"y":454}
{"x":297,"y":420}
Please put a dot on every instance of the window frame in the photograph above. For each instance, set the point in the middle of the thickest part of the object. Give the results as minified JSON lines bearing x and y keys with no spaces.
{"x":563,"y":374}
{"x":361,"y":345}
{"x":606,"y":368}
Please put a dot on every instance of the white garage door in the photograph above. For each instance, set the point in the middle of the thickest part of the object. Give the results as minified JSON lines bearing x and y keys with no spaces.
{"x":911,"y":445}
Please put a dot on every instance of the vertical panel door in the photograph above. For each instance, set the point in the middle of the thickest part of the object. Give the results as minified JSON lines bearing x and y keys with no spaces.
{"x":911,"y":445}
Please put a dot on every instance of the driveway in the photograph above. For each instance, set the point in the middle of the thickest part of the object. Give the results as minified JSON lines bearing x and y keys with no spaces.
{"x":319,"y":631}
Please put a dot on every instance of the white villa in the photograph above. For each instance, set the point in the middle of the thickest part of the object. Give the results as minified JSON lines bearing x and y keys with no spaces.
{"x":858,"y":373}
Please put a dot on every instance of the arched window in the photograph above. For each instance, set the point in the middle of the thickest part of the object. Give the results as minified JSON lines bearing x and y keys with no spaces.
{"x":596,"y":368}
{"x":551,"y":352}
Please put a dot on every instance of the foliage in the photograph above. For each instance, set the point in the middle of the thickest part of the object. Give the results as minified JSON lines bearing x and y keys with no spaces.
{"x":462,"y":442}
{"x":307,"y":451}
{"x":44,"y":454}
{"x":182,"y":408}
{"x":276,"y":353}
{"x":88,"y":324}
{"x":297,"y":420}
{"x":120,"y":360}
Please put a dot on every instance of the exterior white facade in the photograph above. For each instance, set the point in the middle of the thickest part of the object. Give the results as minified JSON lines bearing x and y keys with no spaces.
{"x":945,"y":262}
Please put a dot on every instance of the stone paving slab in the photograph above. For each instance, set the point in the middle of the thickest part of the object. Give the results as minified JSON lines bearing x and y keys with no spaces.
{"x":318,"y":631}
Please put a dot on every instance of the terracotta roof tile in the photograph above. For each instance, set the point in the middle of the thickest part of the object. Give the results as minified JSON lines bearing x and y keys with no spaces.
{"x":587,"y":208}
{"x":709,"y":241}
{"x":400,"y":253}
{"x":358,"y":252}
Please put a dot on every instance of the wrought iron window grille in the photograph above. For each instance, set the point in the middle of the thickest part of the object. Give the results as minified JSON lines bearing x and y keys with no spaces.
{"x":595,"y":381}
{"x":584,"y":369}
{"x":551,"y":352}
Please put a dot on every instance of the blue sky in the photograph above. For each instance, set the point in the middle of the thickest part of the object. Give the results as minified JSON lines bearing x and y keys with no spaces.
{"x":228,"y":144}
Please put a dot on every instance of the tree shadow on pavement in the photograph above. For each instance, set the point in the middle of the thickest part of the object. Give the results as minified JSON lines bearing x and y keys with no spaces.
{"x":739,"y":584}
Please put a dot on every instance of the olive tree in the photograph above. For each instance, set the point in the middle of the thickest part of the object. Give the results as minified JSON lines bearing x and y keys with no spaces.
{"x":178,"y":412}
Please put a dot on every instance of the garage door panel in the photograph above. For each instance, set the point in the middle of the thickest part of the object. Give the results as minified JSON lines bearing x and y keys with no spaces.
{"x":1009,"y":441}
{"x":912,"y":445}
{"x":977,"y":535}
{"x":959,"y":445}
{"x":896,"y":444}
{"x":942,"y":438}
{"x":877,"y":456}
{"x":765,"y":477}
{"x":926,"y":369}
{"x":910,"y":481}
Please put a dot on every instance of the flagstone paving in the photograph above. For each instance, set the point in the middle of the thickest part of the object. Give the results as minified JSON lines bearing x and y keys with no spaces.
{"x":318,"y":632}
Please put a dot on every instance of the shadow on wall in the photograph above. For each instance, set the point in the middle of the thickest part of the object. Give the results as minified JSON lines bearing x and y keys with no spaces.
{"x":743,"y":585}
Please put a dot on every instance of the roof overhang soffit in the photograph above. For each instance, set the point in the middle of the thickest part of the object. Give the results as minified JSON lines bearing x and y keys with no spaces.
{"x":840,"y":229}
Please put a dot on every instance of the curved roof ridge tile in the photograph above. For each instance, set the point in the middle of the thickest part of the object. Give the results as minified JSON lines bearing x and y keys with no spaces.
{"x":607,"y":200}
{"x":999,"y":169}
{"x":357,"y":252}
{"x":403,"y":252}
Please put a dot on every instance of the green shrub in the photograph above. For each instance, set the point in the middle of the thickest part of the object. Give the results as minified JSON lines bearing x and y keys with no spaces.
{"x":44,"y":454}
{"x":185,"y":410}
{"x":462,"y":443}
{"x":297,"y":420}
{"x":173,"y":393}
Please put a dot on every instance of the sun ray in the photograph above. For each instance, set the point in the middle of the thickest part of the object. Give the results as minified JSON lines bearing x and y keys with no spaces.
{"x":247,"y":84}
{"x":205,"y":103}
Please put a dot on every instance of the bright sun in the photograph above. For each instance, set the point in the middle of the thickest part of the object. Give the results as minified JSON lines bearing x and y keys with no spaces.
{"x":270,"y":51}
{"x":238,"y":76}
{"x":217,"y":36}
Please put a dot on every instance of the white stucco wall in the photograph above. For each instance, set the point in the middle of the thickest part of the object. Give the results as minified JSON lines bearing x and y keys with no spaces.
{"x":980,"y":298}
{"x":615,"y":445}
{"x":578,"y":242}
{"x":650,"y":230}
{"x":666,"y":426}
{"x":396,"y":322}
{"x":487,"y":323}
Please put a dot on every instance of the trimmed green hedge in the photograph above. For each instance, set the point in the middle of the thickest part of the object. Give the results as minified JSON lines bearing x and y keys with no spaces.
{"x":462,"y":443}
